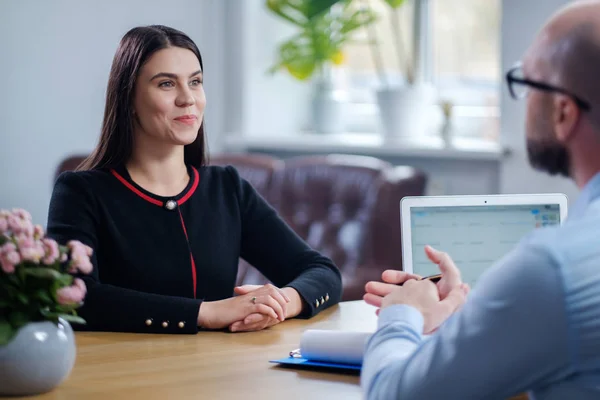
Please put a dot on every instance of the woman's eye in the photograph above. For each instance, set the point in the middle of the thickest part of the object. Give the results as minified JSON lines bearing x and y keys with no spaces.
{"x":196,"y":82}
{"x":166,"y":84}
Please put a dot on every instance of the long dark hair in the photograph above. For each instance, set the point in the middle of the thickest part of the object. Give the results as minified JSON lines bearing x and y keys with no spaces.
{"x":116,"y":139}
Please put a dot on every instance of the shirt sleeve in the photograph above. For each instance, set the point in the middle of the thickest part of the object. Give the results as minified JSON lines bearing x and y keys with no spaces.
{"x":73,"y":216}
{"x":270,"y":245}
{"x":509,"y":337}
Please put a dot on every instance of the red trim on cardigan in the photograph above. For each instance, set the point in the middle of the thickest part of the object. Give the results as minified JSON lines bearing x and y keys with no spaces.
{"x":191,"y":255}
{"x":135,"y":190}
{"x":190,"y":192}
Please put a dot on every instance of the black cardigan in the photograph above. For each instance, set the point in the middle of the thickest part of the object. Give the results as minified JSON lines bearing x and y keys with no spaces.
{"x":157,"y":258}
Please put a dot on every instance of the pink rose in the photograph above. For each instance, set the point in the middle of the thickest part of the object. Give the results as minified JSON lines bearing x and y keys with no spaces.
{"x":77,"y":246}
{"x":14,"y":224}
{"x":51,"y":251}
{"x":72,"y":294}
{"x":38,"y":232}
{"x":3,"y":225}
{"x":22,"y":214}
{"x":19,"y":226}
{"x":9,"y":257}
{"x":7,"y":248}
{"x":80,"y":257}
{"x":30,"y":249}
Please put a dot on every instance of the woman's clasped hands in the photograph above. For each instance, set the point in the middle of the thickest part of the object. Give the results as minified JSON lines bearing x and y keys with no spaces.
{"x":254,"y":308}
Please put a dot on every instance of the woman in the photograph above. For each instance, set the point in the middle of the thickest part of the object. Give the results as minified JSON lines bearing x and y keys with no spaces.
{"x":167,"y":230}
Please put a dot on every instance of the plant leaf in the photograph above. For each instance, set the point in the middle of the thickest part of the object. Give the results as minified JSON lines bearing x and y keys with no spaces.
{"x":6,"y":332}
{"x":317,"y":7}
{"x":18,"y":319}
{"x":44,"y":273}
{"x":43,"y":295}
{"x":50,"y":315}
{"x":73,"y":318}
{"x":22,"y":298}
{"x":395,"y":3}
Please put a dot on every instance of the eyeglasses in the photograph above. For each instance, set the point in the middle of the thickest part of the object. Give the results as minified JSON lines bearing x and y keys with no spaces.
{"x":518,"y":87}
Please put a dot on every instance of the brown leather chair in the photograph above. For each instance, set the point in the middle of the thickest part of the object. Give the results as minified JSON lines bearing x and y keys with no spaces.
{"x":257,"y":169}
{"x":69,"y":164}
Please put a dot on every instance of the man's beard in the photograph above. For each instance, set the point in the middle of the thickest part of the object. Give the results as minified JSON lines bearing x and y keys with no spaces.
{"x":549,"y":157}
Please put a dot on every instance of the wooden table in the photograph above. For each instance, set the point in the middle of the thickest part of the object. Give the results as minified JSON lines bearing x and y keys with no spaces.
{"x":210,"y":365}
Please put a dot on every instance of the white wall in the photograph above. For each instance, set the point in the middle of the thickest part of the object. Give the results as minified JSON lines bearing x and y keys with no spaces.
{"x":55,"y":60}
{"x":521,"y":22}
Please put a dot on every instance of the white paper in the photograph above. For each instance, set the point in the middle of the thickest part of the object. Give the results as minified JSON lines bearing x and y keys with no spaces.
{"x":334,"y":346}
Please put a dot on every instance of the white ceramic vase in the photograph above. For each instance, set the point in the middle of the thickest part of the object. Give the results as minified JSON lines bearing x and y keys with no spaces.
{"x":37,"y":359}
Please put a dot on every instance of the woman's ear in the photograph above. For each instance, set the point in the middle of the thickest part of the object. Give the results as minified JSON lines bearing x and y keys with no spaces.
{"x":566,"y":115}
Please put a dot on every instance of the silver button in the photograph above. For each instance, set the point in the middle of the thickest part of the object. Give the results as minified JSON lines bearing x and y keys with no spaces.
{"x":149,"y":322}
{"x":322,"y":300}
{"x":181,"y":324}
{"x":317,"y":303}
{"x":165,"y":324}
{"x":327,"y":297}
{"x":170,"y":205}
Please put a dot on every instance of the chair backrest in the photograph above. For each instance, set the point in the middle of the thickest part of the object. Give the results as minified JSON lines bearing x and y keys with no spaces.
{"x":69,"y":164}
{"x":384,"y":246}
{"x":329,"y":201}
{"x":257,"y":169}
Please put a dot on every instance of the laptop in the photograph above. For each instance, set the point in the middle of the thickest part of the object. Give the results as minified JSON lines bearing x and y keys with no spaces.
{"x":476,"y":231}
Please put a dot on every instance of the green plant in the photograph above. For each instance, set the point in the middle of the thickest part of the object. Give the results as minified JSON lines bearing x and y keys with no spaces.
{"x":323,"y":31}
{"x":36,"y":281}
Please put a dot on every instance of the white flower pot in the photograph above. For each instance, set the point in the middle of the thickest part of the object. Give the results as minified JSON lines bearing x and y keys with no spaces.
{"x":406,"y":112}
{"x":37,"y":359}
{"x":328,"y":107}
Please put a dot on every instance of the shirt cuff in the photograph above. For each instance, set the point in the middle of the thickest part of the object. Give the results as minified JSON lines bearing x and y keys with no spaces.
{"x":407,"y":315}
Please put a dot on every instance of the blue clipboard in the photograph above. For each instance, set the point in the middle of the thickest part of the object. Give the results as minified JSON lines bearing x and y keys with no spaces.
{"x":296,"y":359}
{"x":303,"y":362}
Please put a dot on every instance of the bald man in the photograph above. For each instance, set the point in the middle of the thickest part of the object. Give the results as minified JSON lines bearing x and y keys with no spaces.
{"x":533,"y":321}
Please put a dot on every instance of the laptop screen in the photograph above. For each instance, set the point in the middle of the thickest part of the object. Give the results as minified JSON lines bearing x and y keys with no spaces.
{"x":474,"y":236}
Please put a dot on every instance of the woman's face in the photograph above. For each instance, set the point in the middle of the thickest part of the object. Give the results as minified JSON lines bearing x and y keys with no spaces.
{"x":169,"y":97}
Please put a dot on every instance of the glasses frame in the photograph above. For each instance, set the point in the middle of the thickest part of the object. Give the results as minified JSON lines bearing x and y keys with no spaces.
{"x":511,"y":79}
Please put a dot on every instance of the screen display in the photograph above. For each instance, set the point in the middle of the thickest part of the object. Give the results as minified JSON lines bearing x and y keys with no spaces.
{"x":474,"y":236}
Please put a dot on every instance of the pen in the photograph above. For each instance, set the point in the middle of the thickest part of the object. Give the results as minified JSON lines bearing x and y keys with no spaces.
{"x":433,"y":278}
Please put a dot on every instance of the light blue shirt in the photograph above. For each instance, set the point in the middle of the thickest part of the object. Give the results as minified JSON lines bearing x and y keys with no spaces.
{"x":531,"y":324}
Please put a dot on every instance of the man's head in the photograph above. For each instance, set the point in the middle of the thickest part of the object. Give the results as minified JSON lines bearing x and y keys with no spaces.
{"x":560,"y":73}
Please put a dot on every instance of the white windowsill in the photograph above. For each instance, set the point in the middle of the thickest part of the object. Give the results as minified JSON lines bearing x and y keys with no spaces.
{"x":370,"y":144}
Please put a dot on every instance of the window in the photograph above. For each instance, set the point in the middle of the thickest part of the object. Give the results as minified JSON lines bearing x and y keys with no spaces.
{"x":458,"y":46}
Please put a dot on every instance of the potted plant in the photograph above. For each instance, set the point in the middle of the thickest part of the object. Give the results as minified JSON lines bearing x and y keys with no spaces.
{"x":323,"y":30}
{"x":404,"y":110}
{"x":38,"y":299}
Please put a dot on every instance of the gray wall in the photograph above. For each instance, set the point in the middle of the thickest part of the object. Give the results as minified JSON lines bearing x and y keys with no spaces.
{"x":521,"y":21}
{"x":55,"y":59}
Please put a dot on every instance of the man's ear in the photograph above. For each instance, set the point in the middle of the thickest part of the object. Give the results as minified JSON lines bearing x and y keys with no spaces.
{"x":566,"y":116}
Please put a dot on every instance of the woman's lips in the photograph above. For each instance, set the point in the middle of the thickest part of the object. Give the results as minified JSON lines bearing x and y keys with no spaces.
{"x":187,"y":119}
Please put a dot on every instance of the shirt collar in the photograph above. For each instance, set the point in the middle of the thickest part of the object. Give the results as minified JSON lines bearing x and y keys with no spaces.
{"x":590,"y":192}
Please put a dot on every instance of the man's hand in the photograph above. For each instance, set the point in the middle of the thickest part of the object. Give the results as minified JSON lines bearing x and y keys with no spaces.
{"x":450,"y":273}
{"x":424,"y":296}
{"x":376,"y":291}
